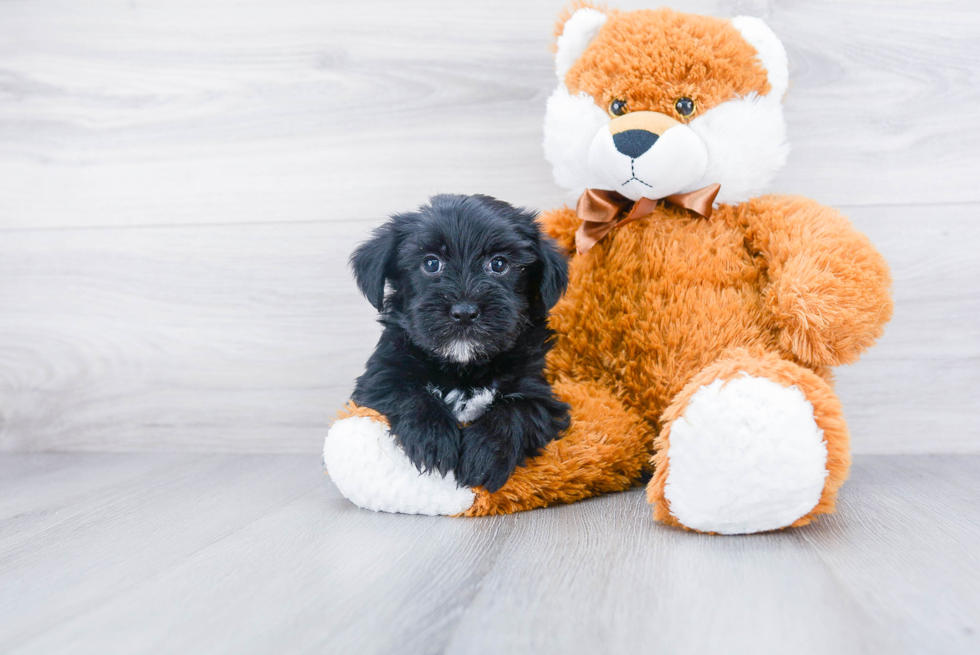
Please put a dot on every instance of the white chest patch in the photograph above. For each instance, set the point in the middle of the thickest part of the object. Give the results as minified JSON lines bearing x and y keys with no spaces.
{"x":467,"y":404}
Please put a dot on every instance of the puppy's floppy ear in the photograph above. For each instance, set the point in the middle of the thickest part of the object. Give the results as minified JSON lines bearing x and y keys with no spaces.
{"x":372,"y":262}
{"x":549,"y":274}
{"x":554,"y":269}
{"x":551,"y":269}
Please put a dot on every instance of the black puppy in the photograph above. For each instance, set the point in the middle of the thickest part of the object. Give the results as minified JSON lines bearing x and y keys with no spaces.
{"x":458,"y":371}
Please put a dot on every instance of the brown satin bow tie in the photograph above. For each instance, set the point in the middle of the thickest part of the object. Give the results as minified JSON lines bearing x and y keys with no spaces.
{"x":601,"y":211}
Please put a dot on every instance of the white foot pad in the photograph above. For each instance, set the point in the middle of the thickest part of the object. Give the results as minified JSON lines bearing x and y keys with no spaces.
{"x":746,"y":456}
{"x":372,"y":471}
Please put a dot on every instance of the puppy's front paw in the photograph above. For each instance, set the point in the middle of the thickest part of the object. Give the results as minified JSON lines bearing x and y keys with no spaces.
{"x":430,"y":442}
{"x":486,"y":460}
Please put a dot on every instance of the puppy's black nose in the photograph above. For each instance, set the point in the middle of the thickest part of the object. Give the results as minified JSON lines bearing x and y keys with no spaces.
{"x":634,"y":143}
{"x":464,"y":312}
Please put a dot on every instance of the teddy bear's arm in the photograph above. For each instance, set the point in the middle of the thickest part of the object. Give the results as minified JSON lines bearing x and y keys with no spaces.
{"x":560,"y":225}
{"x":828,"y":289}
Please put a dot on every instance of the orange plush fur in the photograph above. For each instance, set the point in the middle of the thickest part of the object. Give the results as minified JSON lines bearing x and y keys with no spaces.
{"x":654,"y":57}
{"x":352,"y":409}
{"x":776,"y":287}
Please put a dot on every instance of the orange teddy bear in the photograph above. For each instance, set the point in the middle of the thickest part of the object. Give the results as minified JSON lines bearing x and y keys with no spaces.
{"x":701,"y":320}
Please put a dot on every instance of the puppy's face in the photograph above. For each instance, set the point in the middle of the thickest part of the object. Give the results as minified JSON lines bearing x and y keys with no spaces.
{"x":468,"y":274}
{"x":463,"y":283}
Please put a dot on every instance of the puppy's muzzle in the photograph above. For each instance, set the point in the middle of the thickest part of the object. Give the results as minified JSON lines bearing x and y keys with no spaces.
{"x":464,"y":313}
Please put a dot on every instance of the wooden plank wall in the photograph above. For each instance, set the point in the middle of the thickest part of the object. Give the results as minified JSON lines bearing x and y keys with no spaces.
{"x":181,"y":184}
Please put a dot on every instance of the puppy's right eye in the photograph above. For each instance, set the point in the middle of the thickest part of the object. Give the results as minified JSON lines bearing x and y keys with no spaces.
{"x":497,"y":265}
{"x":431,"y":264}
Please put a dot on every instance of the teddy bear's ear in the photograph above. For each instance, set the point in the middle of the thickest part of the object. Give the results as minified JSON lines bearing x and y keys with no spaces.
{"x":574,"y":37}
{"x":772,"y":55}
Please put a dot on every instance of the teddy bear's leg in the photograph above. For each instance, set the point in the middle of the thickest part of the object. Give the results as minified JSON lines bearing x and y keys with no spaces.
{"x":606,"y":448}
{"x":752,"y":443}
{"x":372,"y":471}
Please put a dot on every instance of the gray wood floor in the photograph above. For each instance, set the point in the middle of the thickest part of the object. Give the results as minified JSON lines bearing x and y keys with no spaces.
{"x":214,"y":553}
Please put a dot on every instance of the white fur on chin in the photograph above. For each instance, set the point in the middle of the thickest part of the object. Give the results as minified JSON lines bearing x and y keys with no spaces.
{"x":461,"y":351}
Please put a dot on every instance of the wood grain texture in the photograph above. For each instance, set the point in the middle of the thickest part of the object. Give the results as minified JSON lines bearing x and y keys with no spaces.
{"x":182,"y":183}
{"x":118,"y":113}
{"x":208,"y":338}
{"x":125,"y":527}
{"x":248,"y":338}
{"x":256,"y":554}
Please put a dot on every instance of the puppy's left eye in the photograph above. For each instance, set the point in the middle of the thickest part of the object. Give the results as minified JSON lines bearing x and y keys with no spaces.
{"x":497,"y":266}
{"x":431,"y":264}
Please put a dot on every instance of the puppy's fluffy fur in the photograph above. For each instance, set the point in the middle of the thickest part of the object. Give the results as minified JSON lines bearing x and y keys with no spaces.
{"x":458,"y":371}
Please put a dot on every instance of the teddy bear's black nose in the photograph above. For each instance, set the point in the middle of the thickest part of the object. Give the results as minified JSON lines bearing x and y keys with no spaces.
{"x":464,"y":312}
{"x":634,"y":143}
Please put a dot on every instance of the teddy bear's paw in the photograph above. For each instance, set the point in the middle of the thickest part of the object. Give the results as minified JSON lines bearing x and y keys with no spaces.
{"x":372,"y":471}
{"x":746,"y":455}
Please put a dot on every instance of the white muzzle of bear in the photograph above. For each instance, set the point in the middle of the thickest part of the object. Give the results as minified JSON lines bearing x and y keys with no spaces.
{"x":646,"y":154}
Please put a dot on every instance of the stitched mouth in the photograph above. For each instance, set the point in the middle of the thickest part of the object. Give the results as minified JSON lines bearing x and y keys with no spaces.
{"x":633,"y":176}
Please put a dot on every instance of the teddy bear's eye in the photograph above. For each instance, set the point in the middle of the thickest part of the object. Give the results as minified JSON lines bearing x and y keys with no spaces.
{"x":617,"y":108}
{"x":684,"y":106}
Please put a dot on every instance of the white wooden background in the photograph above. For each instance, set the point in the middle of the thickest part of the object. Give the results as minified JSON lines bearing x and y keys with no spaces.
{"x":181,"y":184}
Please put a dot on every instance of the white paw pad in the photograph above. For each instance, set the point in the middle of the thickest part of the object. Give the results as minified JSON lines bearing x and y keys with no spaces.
{"x":746,"y":456}
{"x":372,"y":471}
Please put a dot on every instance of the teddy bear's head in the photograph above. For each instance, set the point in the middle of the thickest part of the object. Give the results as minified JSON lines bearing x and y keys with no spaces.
{"x":652,"y":103}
